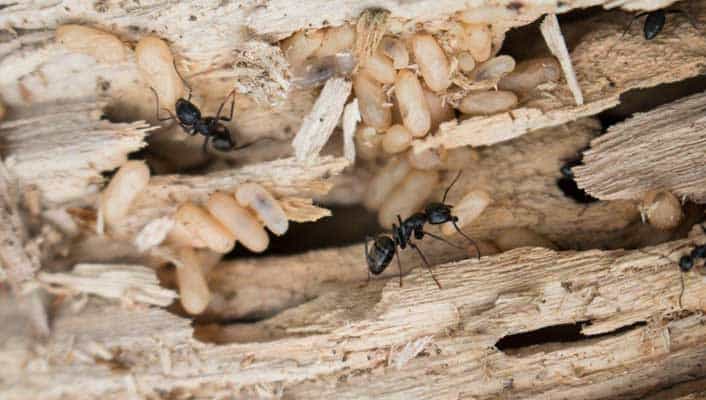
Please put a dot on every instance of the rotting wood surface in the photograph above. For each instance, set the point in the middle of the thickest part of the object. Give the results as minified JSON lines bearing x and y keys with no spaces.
{"x":383,"y":341}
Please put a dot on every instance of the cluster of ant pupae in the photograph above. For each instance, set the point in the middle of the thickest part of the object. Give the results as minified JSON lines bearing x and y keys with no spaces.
{"x":384,"y":248}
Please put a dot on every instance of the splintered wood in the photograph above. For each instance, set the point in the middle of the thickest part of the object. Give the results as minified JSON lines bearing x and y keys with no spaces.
{"x":658,"y":150}
{"x":318,"y":126}
{"x":129,"y":283}
{"x":606,"y":64}
{"x":555,"y":41}
{"x":346,"y":343}
{"x":62,"y":149}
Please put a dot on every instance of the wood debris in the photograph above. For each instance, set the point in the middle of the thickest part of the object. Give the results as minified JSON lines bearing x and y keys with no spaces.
{"x":319,"y":124}
{"x":129,"y":283}
{"x":62,"y":149}
{"x":555,"y":41}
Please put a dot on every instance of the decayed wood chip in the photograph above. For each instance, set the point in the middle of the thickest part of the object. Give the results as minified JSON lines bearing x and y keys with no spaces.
{"x":370,"y":28}
{"x":555,"y":41}
{"x":62,"y":149}
{"x":251,"y":59}
{"x":662,"y":149}
{"x":319,"y":124}
{"x":132,"y":283}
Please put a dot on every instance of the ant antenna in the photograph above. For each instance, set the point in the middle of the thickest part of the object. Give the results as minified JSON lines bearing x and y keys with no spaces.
{"x":451,"y":185}
{"x":626,"y":30}
{"x":399,"y":264}
{"x":232,"y":105}
{"x":426,"y":262}
{"x":181,"y":77}
{"x":473,"y":242}
{"x":156,"y":99}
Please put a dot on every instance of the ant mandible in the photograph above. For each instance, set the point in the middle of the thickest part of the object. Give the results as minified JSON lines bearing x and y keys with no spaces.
{"x":189,"y":118}
{"x":384,"y":248}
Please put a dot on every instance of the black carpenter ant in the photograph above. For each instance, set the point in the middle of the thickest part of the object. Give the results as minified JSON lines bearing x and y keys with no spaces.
{"x":688,"y":261}
{"x":655,"y":22}
{"x":192,"y":122}
{"x":384,"y":248}
{"x":568,"y":185}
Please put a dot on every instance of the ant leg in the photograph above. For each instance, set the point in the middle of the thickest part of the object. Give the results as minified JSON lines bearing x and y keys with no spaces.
{"x":437,"y":237}
{"x":473,"y":242}
{"x":156,"y":99}
{"x":451,"y":185}
{"x":205,"y":145}
{"x":627,"y":29}
{"x":681,"y":292}
{"x":399,"y":264}
{"x":182,"y":78}
{"x":189,"y":130}
{"x":367,"y":239}
{"x":232,"y":107}
{"x":426,"y":262}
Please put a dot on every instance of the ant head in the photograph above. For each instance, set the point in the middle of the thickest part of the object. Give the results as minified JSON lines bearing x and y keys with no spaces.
{"x":222,"y":141}
{"x":187,"y":112}
{"x":380,"y":254}
{"x":438,"y":213}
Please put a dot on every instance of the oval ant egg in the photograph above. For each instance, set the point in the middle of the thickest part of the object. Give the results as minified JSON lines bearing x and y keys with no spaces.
{"x":396,"y":139}
{"x":130,"y":180}
{"x":372,"y":102}
{"x":384,"y":182}
{"x":380,"y":68}
{"x":468,"y":209}
{"x":239,"y":221}
{"x":530,"y":74}
{"x":156,"y":63}
{"x":396,"y":50}
{"x":432,"y":62}
{"x":194,"y":293}
{"x":408,"y":197}
{"x":412,"y":104}
{"x":486,"y":103}
{"x":265,"y":206}
{"x":103,"y":46}
{"x":199,"y":223}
